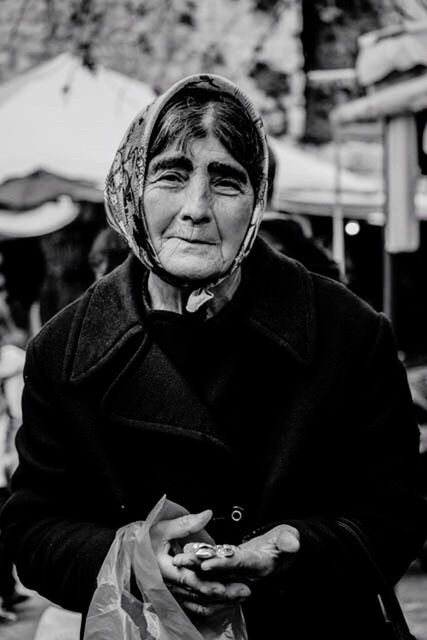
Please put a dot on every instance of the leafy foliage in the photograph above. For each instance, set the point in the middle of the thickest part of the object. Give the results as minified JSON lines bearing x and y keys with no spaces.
{"x":253,"y":42}
{"x":157,"y":41}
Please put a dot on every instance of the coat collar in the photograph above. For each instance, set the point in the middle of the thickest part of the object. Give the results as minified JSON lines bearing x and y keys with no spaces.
{"x":278,"y":302}
{"x":281,"y":302}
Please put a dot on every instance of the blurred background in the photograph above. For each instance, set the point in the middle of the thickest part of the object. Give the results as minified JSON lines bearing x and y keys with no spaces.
{"x":342,"y":88}
{"x":337,"y":83}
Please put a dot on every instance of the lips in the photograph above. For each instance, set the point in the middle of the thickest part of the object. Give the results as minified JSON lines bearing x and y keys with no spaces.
{"x":194,"y":240}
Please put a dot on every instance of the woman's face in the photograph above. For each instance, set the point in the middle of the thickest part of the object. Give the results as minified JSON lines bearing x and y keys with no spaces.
{"x":198,"y":204}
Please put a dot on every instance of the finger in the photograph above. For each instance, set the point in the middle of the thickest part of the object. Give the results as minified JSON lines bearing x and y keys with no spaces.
{"x":185,"y":525}
{"x":182,"y":593}
{"x":225,"y":597}
{"x":204,"y":607}
{"x":188,"y":560}
{"x":223,"y":564}
{"x":288,"y":541}
{"x":188,"y":579}
{"x":213,"y":588}
{"x":205,"y":611}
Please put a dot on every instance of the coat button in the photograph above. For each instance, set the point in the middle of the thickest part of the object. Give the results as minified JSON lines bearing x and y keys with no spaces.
{"x":237,"y":513}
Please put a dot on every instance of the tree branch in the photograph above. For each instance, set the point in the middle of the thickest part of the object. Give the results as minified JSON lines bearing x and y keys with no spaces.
{"x":15,"y":27}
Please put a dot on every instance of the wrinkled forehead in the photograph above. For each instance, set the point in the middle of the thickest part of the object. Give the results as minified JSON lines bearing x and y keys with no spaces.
{"x":206,"y":155}
{"x":182,"y":144}
{"x":209,"y":122}
{"x":194,"y":147}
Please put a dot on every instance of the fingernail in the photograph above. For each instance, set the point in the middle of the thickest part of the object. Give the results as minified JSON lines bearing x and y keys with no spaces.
{"x":205,"y":512}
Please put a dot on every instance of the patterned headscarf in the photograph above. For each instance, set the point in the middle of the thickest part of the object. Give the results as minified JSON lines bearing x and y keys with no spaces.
{"x":126,"y":179}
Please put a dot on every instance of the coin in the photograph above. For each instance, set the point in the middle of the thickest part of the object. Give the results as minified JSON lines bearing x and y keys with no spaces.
{"x":225,"y":551}
{"x":202,"y":545}
{"x":206,"y":552}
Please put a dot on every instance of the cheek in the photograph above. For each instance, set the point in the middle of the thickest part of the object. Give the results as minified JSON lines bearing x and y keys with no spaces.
{"x":158,"y":212}
{"x":233,"y":224}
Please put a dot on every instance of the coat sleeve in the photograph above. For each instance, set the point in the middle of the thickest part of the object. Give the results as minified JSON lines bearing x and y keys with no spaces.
{"x":56,"y":551}
{"x":379,"y":467}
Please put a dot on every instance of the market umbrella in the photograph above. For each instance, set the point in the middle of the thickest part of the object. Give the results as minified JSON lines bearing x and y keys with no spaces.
{"x":21,"y":194}
{"x":40,"y":221}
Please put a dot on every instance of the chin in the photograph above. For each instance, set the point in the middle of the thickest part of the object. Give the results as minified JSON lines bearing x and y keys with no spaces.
{"x":193,"y":271}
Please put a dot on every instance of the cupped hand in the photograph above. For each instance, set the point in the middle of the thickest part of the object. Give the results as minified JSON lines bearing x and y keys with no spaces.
{"x":255,"y":559}
{"x":197,"y":593}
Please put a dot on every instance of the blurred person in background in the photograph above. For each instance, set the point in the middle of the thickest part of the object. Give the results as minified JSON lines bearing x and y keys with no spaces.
{"x":287,"y":235}
{"x":12,"y":357}
{"x":215,"y":370}
{"x":109,"y":249}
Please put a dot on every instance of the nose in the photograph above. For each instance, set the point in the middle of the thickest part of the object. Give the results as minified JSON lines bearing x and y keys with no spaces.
{"x":197,"y":206}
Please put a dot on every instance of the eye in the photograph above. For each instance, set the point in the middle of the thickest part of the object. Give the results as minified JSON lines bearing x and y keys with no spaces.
{"x":170,"y":178}
{"x":225,"y":184}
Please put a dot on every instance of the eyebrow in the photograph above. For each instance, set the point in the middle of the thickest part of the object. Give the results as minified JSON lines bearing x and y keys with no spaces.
{"x":182,"y":162}
{"x":172,"y":162}
{"x":228,"y":170}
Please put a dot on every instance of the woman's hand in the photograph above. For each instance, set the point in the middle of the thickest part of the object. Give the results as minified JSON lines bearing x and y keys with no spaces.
{"x":198,"y":594}
{"x":252,"y":560}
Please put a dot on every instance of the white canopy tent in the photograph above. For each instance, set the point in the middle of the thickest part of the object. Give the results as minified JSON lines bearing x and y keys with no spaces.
{"x":66,"y":120}
{"x":306,"y":184}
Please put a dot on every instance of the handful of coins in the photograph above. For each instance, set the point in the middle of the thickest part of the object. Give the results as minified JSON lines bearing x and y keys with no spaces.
{"x":205,"y":551}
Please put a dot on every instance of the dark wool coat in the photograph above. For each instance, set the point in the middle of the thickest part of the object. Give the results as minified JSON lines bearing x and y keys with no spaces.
{"x":110,"y":426}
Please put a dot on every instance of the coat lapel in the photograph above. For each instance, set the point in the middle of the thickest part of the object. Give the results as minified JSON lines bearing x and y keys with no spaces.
{"x":151,"y":393}
{"x":278,"y":302}
{"x":108,"y":317}
{"x":281,"y":302}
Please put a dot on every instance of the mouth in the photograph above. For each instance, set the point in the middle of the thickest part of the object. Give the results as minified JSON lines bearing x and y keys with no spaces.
{"x":195,"y":241}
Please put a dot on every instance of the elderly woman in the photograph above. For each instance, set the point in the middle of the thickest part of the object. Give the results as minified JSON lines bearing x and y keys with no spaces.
{"x":268,"y":401}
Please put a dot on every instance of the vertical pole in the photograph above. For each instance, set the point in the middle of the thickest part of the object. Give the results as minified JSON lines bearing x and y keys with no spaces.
{"x":338,"y":245}
{"x":388,"y":301}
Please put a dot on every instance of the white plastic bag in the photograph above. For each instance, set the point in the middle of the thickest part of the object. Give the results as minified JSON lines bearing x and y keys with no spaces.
{"x":58,"y":624}
{"x":115,"y":614}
